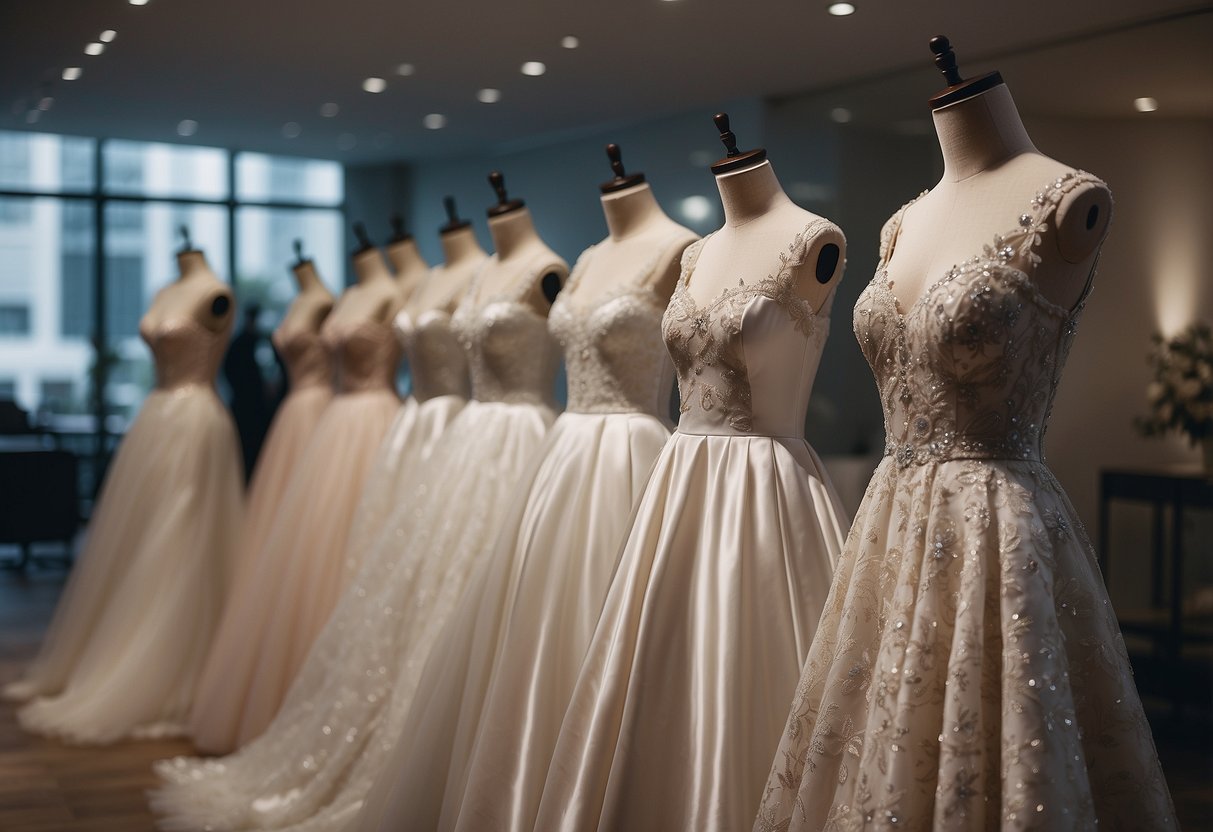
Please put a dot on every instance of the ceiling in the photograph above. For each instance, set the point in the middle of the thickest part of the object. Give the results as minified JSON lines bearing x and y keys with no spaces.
{"x":243,"y":70}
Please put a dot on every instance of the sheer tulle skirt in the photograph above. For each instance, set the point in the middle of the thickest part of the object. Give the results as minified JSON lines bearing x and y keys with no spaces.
{"x":316,"y":761}
{"x":683,"y":694}
{"x":291,"y":584}
{"x":130,"y":634}
{"x":521,"y":632}
{"x":969,"y":672}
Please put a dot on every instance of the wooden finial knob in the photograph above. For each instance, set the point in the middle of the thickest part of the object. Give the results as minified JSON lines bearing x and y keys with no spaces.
{"x":360,"y":232}
{"x":726,"y":135}
{"x":298,"y":245}
{"x":498,"y":182}
{"x":616,"y":156}
{"x":945,"y":59}
{"x":452,"y":214}
{"x":186,"y":243}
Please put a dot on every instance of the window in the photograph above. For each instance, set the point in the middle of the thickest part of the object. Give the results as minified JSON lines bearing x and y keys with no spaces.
{"x":261,"y":178}
{"x":266,"y":254}
{"x":149,"y":169}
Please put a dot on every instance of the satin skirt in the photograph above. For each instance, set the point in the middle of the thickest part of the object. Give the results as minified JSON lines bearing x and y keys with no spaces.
{"x":225,"y":715}
{"x":293,"y":581}
{"x":514,"y":646}
{"x":315,"y":763}
{"x":132,"y":629}
{"x":968,"y":672}
{"x":683,"y":694}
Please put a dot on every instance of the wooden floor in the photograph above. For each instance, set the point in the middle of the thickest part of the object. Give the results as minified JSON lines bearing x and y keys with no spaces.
{"x":48,"y":787}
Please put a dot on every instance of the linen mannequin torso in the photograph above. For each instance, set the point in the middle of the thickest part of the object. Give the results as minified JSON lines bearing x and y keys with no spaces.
{"x":408,"y":264}
{"x":991,"y":172}
{"x":374,"y":298}
{"x":520,"y":256}
{"x":297,"y":337}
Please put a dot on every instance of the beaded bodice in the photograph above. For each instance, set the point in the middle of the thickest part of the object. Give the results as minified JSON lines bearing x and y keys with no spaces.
{"x":183,"y":350}
{"x":613,"y":351}
{"x":747,"y":359}
{"x":365,"y":353}
{"x":511,"y":357}
{"x":969,"y":371}
{"x":437,"y":361}
{"x":307,"y":361}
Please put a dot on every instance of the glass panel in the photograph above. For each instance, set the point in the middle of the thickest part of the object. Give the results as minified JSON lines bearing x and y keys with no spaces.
{"x":141,"y":242}
{"x":262,"y":178}
{"x":148,"y":169}
{"x":265,"y":253}
{"x":42,"y":162}
{"x":46,"y":306}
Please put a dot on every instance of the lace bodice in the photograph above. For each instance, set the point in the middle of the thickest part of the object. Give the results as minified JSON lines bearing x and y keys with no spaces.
{"x":306,"y":359}
{"x":365,"y":353}
{"x":511,"y":357}
{"x":437,"y":361}
{"x":183,"y":350}
{"x":746,"y":360}
{"x":614,"y":355}
{"x":969,"y":371}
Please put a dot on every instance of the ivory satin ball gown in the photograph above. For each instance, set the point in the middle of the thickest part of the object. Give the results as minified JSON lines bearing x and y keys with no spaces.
{"x":968,"y":672}
{"x":132,"y":629}
{"x":294,"y":579}
{"x":312,"y":767}
{"x":683,"y":692}
{"x":499,"y":679}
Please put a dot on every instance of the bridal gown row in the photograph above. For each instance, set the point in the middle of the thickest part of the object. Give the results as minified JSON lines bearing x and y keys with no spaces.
{"x":298,"y":574}
{"x":498,"y":679}
{"x":969,"y":672}
{"x":129,"y":636}
{"x":312,"y":767}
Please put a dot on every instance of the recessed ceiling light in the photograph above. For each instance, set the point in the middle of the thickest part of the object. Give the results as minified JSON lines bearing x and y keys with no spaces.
{"x":94,"y":48}
{"x":46,"y":103}
{"x":840,"y":115}
{"x":374,"y":85}
{"x":138,"y":2}
{"x":569,"y":42}
{"x":346,"y":141}
{"x":1145,"y":105}
{"x":534,"y":68}
{"x":841,"y":9}
{"x":434,"y":121}
{"x":488,"y":95}
{"x":405,"y":69}
{"x":695,"y":208}
{"x":107,"y":36}
{"x":329,"y":110}
{"x":71,"y":73}
{"x":187,"y":127}
{"x":291,"y":130}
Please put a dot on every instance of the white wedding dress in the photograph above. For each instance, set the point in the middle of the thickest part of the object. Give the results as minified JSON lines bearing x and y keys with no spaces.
{"x":683,"y":693}
{"x":500,"y":677}
{"x":315,"y":763}
{"x":135,"y":622}
{"x":968,"y":672}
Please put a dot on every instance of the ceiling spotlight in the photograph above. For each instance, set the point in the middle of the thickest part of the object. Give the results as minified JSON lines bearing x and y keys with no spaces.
{"x":71,"y":73}
{"x":569,"y":42}
{"x":434,"y":121}
{"x":695,"y":208}
{"x":138,"y":2}
{"x":840,"y":115}
{"x":1145,"y":105}
{"x":187,"y":127}
{"x":329,"y":110}
{"x":374,"y":85}
{"x":94,"y":48}
{"x":488,"y":95}
{"x":841,"y":9}
{"x":405,"y":69}
{"x":46,"y":103}
{"x":291,"y":130}
{"x":346,"y":141}
{"x":534,"y":68}
{"x":107,"y":36}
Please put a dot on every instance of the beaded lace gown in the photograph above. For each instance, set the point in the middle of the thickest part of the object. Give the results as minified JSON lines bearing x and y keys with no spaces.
{"x":315,"y":763}
{"x":683,"y":692}
{"x":968,"y":672}
{"x":132,"y":629}
{"x":514,"y":646}
{"x":294,"y":580}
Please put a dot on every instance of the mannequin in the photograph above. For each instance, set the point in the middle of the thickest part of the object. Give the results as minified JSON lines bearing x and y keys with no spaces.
{"x":639,"y":230}
{"x":197,"y":294}
{"x":521,"y":255}
{"x":374,"y":295}
{"x":760,"y":220}
{"x":462,"y":258}
{"x":991,"y":172}
{"x":410,"y":267}
{"x":314,"y":301}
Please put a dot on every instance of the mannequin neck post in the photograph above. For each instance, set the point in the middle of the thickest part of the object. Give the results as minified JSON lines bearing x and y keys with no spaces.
{"x":369,"y":266}
{"x":460,"y":245}
{"x":511,"y":232}
{"x":306,"y":277}
{"x":749,"y":193}
{"x":406,"y":258}
{"x":629,"y":210}
{"x":191,"y":262}
{"x":980,"y":133}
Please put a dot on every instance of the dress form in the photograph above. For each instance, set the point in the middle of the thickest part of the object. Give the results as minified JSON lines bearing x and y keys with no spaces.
{"x":374,"y":295}
{"x":408,"y":264}
{"x":313,"y":303}
{"x":520,"y":255}
{"x":197,"y":295}
{"x":462,"y":257}
{"x":760,"y":219}
{"x":991,"y":172}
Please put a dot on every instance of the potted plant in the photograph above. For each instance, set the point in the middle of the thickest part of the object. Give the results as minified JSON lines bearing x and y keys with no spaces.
{"x":1181,"y":392}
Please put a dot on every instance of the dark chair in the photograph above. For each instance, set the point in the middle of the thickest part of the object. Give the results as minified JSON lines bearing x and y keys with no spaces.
{"x":39,"y":500}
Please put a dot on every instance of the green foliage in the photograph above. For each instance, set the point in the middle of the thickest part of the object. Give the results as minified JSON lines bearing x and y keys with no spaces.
{"x":1181,"y":393}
